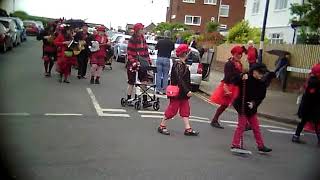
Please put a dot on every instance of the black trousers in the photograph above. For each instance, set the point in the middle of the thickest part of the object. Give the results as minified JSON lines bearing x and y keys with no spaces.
{"x":301,"y":126}
{"x":82,"y":64}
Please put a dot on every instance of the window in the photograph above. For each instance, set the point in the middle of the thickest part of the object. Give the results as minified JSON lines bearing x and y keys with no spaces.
{"x":223,"y":26}
{"x":192,"y":20}
{"x":189,"y":1}
{"x":212,"y":2}
{"x":281,"y":4}
{"x":255,"y":7}
{"x":276,"y":38}
{"x":173,"y":16}
{"x":213,"y":19}
{"x":224,"y":11}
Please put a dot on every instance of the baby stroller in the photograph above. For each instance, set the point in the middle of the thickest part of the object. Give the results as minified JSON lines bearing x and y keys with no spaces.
{"x":152,"y":100}
{"x":108,"y":58}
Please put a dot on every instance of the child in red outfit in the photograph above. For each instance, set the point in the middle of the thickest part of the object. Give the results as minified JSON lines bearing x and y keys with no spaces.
{"x":97,"y":58}
{"x":180,"y":76}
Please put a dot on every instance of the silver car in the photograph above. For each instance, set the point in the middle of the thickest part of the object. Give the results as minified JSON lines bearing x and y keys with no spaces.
{"x":13,"y":29}
{"x":119,"y":44}
{"x":193,"y":62}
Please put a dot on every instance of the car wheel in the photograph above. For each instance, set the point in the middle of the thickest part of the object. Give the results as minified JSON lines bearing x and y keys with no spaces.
{"x":195,"y":88}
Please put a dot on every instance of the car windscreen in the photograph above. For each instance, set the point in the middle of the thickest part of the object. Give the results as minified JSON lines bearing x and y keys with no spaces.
{"x":5,"y":23}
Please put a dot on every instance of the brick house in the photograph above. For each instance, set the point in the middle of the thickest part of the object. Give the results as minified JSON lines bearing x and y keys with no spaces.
{"x":196,"y":13}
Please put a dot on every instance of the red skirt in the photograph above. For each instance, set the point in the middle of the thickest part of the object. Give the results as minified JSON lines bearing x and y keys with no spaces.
{"x":65,"y":63}
{"x":98,"y":59}
{"x":310,"y":127}
{"x":218,"y":96}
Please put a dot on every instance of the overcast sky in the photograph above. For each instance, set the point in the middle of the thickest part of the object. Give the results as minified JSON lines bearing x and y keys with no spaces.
{"x":118,"y":12}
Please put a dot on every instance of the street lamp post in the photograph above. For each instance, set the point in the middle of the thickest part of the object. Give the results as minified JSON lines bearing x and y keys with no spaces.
{"x":263,"y":31}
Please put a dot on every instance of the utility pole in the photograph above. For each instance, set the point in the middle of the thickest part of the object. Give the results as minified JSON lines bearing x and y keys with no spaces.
{"x":14,"y":6}
{"x":263,"y":31}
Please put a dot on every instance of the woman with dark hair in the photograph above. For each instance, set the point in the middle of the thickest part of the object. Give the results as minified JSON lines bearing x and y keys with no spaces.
{"x":49,"y":55}
{"x":309,"y":109}
{"x":180,"y":77}
{"x":226,"y":92}
{"x":66,"y":57}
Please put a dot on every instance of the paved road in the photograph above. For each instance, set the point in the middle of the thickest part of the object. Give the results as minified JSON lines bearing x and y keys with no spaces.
{"x":80,"y":131}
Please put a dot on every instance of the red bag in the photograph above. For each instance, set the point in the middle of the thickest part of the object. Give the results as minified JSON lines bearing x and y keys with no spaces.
{"x":172,"y":91}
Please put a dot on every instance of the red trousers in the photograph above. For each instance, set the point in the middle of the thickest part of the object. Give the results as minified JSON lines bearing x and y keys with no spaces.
{"x":175,"y":105}
{"x":242,"y":122}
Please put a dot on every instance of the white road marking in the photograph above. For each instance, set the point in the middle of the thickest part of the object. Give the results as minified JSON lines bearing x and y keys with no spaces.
{"x":282,"y":131}
{"x":232,"y":125}
{"x":197,"y":117}
{"x":14,"y":114}
{"x":150,"y":112}
{"x":100,"y":110}
{"x":62,"y":114}
{"x":197,"y":120}
{"x":95,"y":102}
{"x":114,"y":110}
{"x":275,"y":127}
{"x":230,"y":122}
{"x":152,"y":116}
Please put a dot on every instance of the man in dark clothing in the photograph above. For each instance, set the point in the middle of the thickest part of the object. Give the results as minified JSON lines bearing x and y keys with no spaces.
{"x":83,"y":37}
{"x":193,"y":43}
{"x":164,"y":47}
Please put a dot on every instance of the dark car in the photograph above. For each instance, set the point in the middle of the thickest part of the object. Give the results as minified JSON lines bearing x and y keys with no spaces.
{"x":6,"y":41}
{"x":31,"y":27}
{"x":11,"y":25}
{"x":21,"y":28}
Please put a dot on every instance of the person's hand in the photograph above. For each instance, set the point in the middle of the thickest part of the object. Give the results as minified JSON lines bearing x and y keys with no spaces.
{"x":245,"y":77}
{"x":250,"y":105}
{"x":189,"y":94}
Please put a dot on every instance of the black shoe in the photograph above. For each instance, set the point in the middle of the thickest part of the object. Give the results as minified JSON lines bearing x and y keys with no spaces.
{"x":264,"y":149}
{"x":97,"y":81}
{"x":92,"y":80}
{"x":79,"y":77}
{"x":66,"y":81}
{"x":163,"y":130}
{"x":216,"y":124}
{"x":190,"y":132}
{"x":296,"y":139}
{"x":47,"y":74}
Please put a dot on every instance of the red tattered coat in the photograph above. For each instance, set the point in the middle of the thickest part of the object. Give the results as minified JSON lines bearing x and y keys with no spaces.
{"x":98,"y":57}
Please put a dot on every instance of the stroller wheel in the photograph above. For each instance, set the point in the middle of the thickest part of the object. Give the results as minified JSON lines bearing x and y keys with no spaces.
{"x":156,"y":106}
{"x":137,"y":105}
{"x":123,"y":102}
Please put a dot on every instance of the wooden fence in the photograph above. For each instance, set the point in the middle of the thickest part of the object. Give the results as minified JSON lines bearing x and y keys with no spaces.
{"x":302,"y":56}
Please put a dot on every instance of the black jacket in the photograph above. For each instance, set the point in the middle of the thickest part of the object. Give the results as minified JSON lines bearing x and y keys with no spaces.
{"x":309,"y":108}
{"x":180,"y":75}
{"x":80,"y":36}
{"x":255,"y":91}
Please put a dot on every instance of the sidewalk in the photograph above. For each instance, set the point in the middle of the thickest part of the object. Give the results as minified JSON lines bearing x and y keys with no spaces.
{"x":279,"y":106}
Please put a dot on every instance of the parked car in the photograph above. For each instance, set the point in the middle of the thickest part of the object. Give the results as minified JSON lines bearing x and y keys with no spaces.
{"x":6,"y":41}
{"x":119,"y":45}
{"x":193,"y":62}
{"x":40,"y":25}
{"x":11,"y":25}
{"x":31,"y":27}
{"x":21,"y":28}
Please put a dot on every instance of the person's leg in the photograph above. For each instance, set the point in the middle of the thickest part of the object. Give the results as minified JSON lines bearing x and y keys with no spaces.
{"x":131,"y":79}
{"x":159,"y":74}
{"x":84,"y":66}
{"x":51,"y":64}
{"x":253,"y":120}
{"x":238,"y":134}
{"x":46,"y":64}
{"x":296,"y":136}
{"x":67,"y":72}
{"x":184,"y":111}
{"x":98,"y":74}
{"x":317,"y":130}
{"x":93,"y":72}
{"x":166,"y":69}
{"x":215,"y":121}
{"x":169,"y":113}
{"x":80,"y":62}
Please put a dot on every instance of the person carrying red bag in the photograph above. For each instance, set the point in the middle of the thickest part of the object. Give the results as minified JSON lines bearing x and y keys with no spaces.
{"x":180,"y":77}
{"x":227,"y":91}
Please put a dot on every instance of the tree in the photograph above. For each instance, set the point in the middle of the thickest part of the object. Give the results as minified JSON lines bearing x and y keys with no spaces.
{"x":212,"y":27}
{"x":164,"y":26}
{"x":307,"y":16}
{"x":242,"y":33}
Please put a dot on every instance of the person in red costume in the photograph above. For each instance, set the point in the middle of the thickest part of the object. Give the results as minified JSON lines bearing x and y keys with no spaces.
{"x":65,"y":56}
{"x":227,"y":91}
{"x":252,"y":54}
{"x":97,"y":58}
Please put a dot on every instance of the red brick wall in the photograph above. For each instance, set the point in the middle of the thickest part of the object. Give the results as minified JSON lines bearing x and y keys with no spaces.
{"x":180,"y":9}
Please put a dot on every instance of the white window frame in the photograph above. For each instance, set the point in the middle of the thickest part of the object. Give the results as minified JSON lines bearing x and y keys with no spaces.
{"x":192,"y":24}
{"x":278,"y":3}
{"x":223,"y":26}
{"x":276,"y":38}
{"x":214,"y":2}
{"x":189,"y":1}
{"x":255,"y":6}
{"x":224,"y":6}
{"x":213,"y":19}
